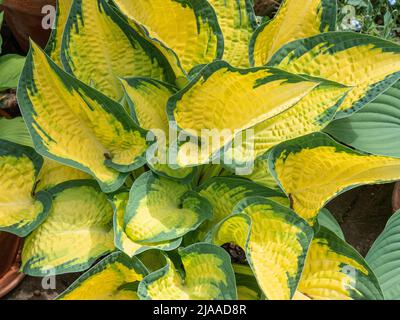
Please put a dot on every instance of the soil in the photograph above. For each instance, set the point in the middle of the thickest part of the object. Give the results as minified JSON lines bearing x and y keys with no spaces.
{"x":363,"y":213}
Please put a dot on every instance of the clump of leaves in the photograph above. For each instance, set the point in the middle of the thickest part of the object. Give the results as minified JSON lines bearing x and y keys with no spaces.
{"x":121,"y":83}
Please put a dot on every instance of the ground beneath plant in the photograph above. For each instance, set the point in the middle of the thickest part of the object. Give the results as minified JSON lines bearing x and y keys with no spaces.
{"x":362,"y":214}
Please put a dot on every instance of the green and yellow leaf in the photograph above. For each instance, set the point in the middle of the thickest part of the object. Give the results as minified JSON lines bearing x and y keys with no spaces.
{"x":99,"y":47}
{"x":237,"y":21}
{"x":73,"y":124}
{"x":294,"y":20}
{"x":54,"y":173}
{"x":275,"y":240}
{"x":370,"y":65}
{"x":53,"y":47}
{"x":375,"y":128}
{"x":77,"y":231}
{"x":384,"y":258}
{"x":208,"y":276}
{"x":224,"y":193}
{"x":147,"y":99}
{"x":189,"y":34}
{"x":314,"y":169}
{"x":161,"y":209}
{"x":335,"y":271}
{"x":311,"y":114}
{"x":21,"y":210}
{"x":116,"y":277}
{"x":122,"y":240}
{"x":211,"y":107}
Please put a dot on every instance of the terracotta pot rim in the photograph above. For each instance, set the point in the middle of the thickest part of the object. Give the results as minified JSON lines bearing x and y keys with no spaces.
{"x":396,"y":197}
{"x":12,"y":276}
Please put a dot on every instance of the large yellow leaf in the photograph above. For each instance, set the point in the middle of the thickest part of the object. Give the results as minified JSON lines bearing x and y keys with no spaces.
{"x":275,"y":241}
{"x":122,"y":240}
{"x":77,"y":231}
{"x":160,"y":209}
{"x":21,"y":210}
{"x":294,"y":20}
{"x":314,"y":169}
{"x":311,"y":114}
{"x":73,"y":124}
{"x":53,"y":173}
{"x":188,"y":28}
{"x":211,"y":107}
{"x":224,"y":193}
{"x":368,"y":64}
{"x":147,"y":99}
{"x":53,"y":47}
{"x":116,"y":277}
{"x":99,"y":47}
{"x":208,"y":276}
{"x":335,"y":271}
{"x":237,"y":21}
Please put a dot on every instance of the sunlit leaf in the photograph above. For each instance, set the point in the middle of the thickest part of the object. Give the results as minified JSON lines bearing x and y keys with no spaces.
{"x":208,"y":276}
{"x":368,"y":64}
{"x":314,"y":169}
{"x":73,"y":124}
{"x":335,"y":271}
{"x":21,"y":210}
{"x":116,"y":277}
{"x":294,"y":20}
{"x":77,"y":231}
{"x":99,"y":47}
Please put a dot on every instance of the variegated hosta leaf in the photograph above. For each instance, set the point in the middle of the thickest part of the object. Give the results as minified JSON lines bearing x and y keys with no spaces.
{"x":15,"y":130}
{"x":275,"y":240}
{"x":311,"y":114}
{"x":327,"y":220}
{"x":294,"y":20}
{"x":224,"y":193}
{"x":246,"y":283}
{"x":21,"y":210}
{"x":208,"y":275}
{"x":237,"y":21}
{"x":384,"y":258}
{"x":216,"y":98}
{"x":147,"y":99}
{"x":116,"y":277}
{"x":161,"y":209}
{"x":73,"y":124}
{"x":187,"y":30}
{"x":99,"y":47}
{"x":77,"y":231}
{"x":53,"y":173}
{"x":375,"y":128}
{"x":335,"y":271}
{"x":53,"y":47}
{"x":368,"y":64}
{"x":122,"y":240}
{"x":314,"y":169}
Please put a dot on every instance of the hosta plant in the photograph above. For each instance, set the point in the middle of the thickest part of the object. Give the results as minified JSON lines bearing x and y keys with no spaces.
{"x":181,"y":151}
